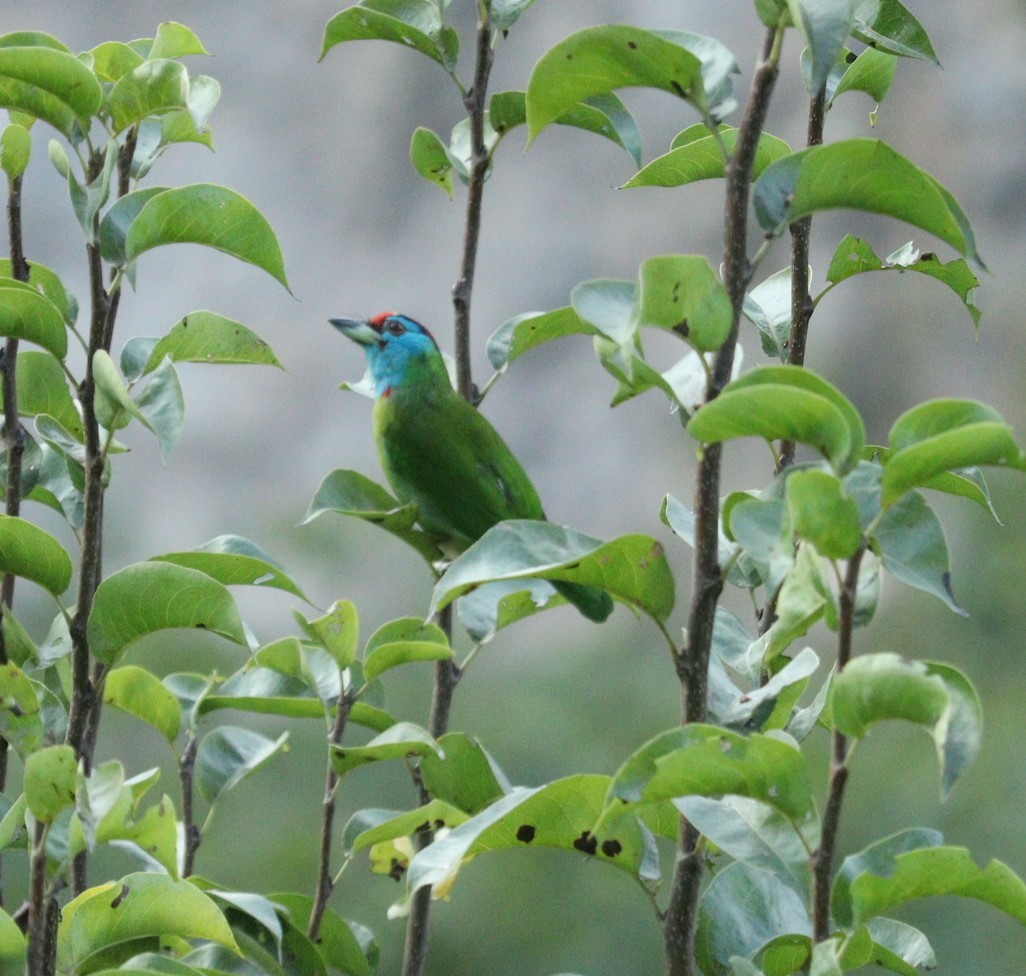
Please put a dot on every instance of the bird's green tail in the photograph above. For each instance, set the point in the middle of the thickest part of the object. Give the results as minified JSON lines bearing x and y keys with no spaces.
{"x":595,"y":604}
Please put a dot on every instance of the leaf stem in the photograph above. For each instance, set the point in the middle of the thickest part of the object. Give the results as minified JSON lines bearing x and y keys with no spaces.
{"x":693,"y":665}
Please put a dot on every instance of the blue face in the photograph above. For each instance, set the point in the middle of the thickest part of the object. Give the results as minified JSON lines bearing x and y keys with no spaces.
{"x":394,"y":345}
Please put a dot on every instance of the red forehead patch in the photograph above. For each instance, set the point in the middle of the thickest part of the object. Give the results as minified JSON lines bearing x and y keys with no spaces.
{"x":378,"y":321}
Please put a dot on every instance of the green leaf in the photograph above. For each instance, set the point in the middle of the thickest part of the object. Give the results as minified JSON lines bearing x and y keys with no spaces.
{"x":369,"y":827}
{"x":871,"y":72}
{"x":233,"y":561}
{"x":505,"y":13}
{"x":860,"y":174}
{"x":710,"y":761}
{"x":47,"y":283}
{"x":682,"y":293}
{"x":51,"y":776}
{"x":338,"y":631}
{"x":768,"y":307}
{"x":86,"y":200}
{"x":825,"y":25}
{"x":43,"y":388}
{"x":152,"y":88}
{"x":263,"y":690}
{"x":354,"y":494}
{"x":113,"y":59}
{"x":755,"y":834}
{"x":601,"y":59}
{"x":140,"y":693}
{"x":339,"y":942}
{"x":49,"y":84}
{"x":822,"y":513}
{"x":604,"y":114}
{"x":742,"y":910}
{"x":940,"y":435}
{"x":785,"y":402}
{"x":20,"y":721}
{"x":12,"y":946}
{"x":163,"y":405}
{"x":175,"y":40}
{"x":430,"y":159}
{"x":560,"y":814}
{"x":27,"y":314}
{"x":855,"y":256}
{"x":138,"y":905}
{"x":33,"y":554}
{"x":910,"y":542}
{"x":226,"y":755}
{"x":488,"y":609}
{"x":115,"y":407}
{"x":900,"y":947}
{"x":15,"y":150}
{"x":697,"y":154}
{"x":411,"y":641}
{"x":147,"y":597}
{"x":876,"y":687}
{"x":888,"y":25}
{"x":902,"y":868}
{"x":416,"y":24}
{"x":215,"y":216}
{"x":631,"y":568}
{"x":206,"y":337}
{"x":524,"y":332}
{"x":118,"y":220}
{"x":464,"y":775}
{"x":401,"y":740}
{"x":767,"y":706}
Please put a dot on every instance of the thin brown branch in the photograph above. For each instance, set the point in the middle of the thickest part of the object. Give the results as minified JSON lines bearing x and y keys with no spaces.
{"x":324,"y":877}
{"x":41,"y":948}
{"x":823,"y":860}
{"x":693,"y":666}
{"x":186,"y":771}
{"x":475,"y":101}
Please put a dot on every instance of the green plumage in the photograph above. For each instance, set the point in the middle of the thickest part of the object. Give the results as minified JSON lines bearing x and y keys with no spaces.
{"x":440,"y":452}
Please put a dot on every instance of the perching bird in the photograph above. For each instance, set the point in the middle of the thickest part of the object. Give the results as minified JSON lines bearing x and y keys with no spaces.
{"x":438,"y":451}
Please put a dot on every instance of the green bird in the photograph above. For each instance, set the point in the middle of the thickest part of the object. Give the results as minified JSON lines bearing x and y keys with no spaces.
{"x":440,"y":452}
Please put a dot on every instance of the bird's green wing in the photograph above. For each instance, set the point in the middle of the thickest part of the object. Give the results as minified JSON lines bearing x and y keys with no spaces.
{"x":446,"y":457}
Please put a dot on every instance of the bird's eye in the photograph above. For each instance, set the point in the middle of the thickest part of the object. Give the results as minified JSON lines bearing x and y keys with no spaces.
{"x":395,"y":327}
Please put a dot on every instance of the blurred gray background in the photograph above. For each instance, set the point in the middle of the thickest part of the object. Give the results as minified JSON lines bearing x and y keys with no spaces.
{"x":322,"y":150}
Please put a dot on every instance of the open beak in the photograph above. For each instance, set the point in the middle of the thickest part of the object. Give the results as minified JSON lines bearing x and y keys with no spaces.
{"x":358,"y":330}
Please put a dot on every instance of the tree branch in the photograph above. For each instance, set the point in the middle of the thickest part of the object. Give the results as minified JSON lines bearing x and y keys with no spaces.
{"x":186,"y":771}
{"x":823,"y":860}
{"x":693,"y":664}
{"x":324,"y":876}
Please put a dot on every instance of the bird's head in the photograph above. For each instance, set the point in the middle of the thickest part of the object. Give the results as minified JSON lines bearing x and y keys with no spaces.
{"x":398,"y":349}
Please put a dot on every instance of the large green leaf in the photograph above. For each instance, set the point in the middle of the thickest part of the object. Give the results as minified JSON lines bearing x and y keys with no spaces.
{"x":147,"y":597}
{"x":785,"y":402}
{"x":911,"y":865}
{"x":154,"y":87}
{"x":27,"y":314}
{"x":49,"y":84}
{"x":860,"y":174}
{"x":337,"y":631}
{"x":226,"y":755}
{"x":351,"y":493}
{"x":824,"y":24}
{"x":889,"y":26}
{"x":140,"y":693}
{"x":942,"y":435}
{"x":402,"y":642}
{"x":854,"y":255}
{"x":877,"y":687}
{"x":682,"y":293}
{"x":43,"y":388}
{"x":206,"y":337}
{"x":910,"y":542}
{"x":821,"y":512}
{"x":340,"y":943}
{"x":560,"y":814}
{"x":742,"y":910}
{"x":632,"y":568}
{"x":697,"y":154}
{"x":47,"y":282}
{"x":233,"y":560}
{"x":465,"y":775}
{"x":524,"y":332}
{"x":21,"y":723}
{"x":265,"y":691}
{"x":138,"y":905}
{"x":706,"y":760}
{"x":602,"y":59}
{"x":215,"y":216}
{"x":51,"y":776}
{"x":416,"y":24}
{"x":32,"y":553}
{"x":401,"y":740}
